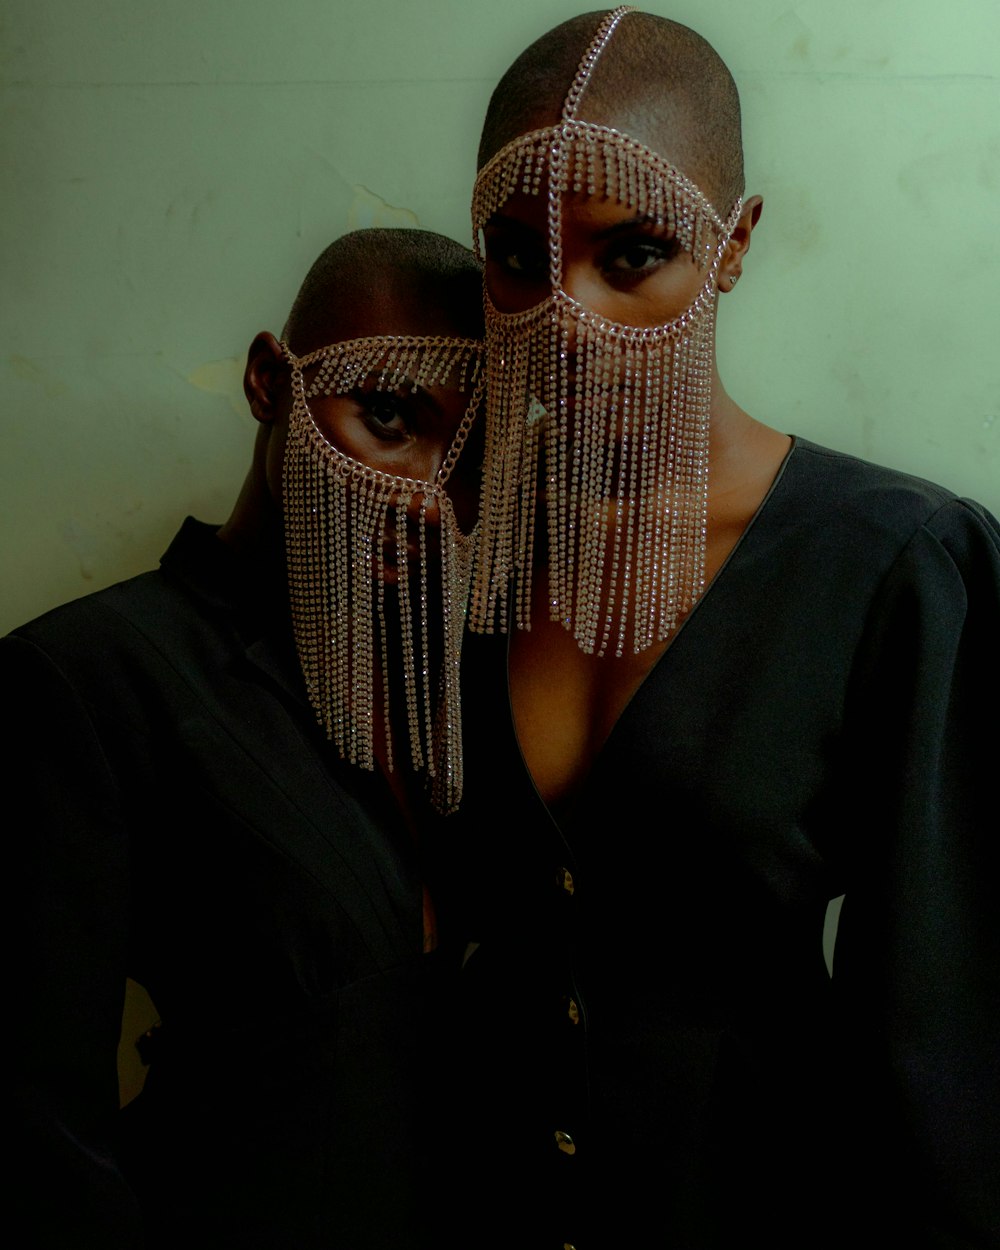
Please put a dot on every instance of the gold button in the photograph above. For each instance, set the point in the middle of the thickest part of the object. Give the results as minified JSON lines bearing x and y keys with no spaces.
{"x":565,"y":879}
{"x":565,"y":1143}
{"x":573,"y":1011}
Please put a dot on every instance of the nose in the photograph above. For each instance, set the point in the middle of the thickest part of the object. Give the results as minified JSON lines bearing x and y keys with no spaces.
{"x":463,"y":491}
{"x":419,"y":527}
{"x":421,"y":505}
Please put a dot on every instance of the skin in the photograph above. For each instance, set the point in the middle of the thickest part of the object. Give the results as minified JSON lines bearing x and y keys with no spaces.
{"x":614,"y":262}
{"x":565,"y":703}
{"x":403,"y":433}
{"x":400,"y":433}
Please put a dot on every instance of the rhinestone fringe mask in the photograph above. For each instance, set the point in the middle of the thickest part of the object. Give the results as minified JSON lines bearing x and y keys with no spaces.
{"x":347,"y":528}
{"x":619,"y":415}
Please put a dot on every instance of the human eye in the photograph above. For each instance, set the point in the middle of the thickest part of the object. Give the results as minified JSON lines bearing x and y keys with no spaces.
{"x":515,"y":253}
{"x":637,"y":257}
{"x":387,"y":415}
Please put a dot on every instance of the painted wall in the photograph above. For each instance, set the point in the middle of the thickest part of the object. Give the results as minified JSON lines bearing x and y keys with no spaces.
{"x":171,"y":170}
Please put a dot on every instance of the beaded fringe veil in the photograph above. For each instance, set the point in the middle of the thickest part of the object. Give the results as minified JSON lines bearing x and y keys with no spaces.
{"x":362,"y":565}
{"x":615,"y":417}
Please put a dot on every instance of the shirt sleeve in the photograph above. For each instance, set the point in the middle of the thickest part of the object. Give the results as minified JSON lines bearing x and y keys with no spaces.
{"x":69,"y":898}
{"x":917,"y":962}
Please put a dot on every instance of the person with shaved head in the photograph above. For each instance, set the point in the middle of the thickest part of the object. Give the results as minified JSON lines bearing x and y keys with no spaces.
{"x":742,"y":677}
{"x":225,"y":763}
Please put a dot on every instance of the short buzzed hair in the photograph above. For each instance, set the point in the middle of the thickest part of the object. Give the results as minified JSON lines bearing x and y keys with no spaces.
{"x":658,"y":81}
{"x":365,"y":264}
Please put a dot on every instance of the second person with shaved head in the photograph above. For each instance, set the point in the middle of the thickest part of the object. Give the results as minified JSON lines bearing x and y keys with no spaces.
{"x":227,"y":763}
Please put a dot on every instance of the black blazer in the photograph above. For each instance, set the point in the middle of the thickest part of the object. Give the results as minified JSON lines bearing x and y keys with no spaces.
{"x":184,"y":822}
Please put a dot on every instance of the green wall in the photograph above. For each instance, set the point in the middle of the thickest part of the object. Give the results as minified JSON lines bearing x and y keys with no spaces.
{"x":171,"y":170}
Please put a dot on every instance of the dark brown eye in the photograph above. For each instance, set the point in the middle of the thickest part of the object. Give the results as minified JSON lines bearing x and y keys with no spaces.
{"x":385,"y":415}
{"x":516,"y":254}
{"x":636,"y":257}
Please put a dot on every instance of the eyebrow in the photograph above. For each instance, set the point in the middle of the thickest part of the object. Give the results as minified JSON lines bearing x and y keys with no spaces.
{"x":409,"y":387}
{"x":510,"y":223}
{"x":632,"y":223}
{"x":608,"y":232}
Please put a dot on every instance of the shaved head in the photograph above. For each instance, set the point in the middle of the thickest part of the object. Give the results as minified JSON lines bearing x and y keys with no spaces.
{"x":370,"y":282}
{"x":657,"y":81}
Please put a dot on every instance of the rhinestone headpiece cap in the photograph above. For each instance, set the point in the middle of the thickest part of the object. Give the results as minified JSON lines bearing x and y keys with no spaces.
{"x":618,"y":414}
{"x":342,"y":519}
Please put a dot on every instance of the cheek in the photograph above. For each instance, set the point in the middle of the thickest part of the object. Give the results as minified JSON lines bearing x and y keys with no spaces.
{"x":671,"y":291}
{"x":510,"y":293}
{"x":662,"y":297}
{"x":338,"y":421}
{"x":274,"y":459}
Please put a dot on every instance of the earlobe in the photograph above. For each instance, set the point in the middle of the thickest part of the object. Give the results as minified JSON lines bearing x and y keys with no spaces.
{"x":265,"y":378}
{"x":739,"y":244}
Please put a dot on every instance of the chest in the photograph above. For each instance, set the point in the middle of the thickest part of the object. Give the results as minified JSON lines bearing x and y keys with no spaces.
{"x":728,"y":764}
{"x":565,"y":704}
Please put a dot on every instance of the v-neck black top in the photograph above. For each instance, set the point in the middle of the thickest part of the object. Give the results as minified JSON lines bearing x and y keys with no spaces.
{"x":658,"y":1055}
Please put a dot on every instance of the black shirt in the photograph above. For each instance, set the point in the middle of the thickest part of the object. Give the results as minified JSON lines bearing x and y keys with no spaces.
{"x":658,"y":1054}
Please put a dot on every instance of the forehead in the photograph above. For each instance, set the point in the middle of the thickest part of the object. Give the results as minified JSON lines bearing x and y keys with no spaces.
{"x":590,"y":165}
{"x":395,"y":304}
{"x":663,"y":124}
{"x":667,"y":129}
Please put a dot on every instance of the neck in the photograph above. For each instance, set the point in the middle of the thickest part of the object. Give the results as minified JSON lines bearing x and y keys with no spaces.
{"x":729,"y":430}
{"x":565,"y":702}
{"x":744,"y":456}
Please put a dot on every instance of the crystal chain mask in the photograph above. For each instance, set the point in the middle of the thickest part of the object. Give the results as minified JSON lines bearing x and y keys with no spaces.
{"x":616,"y":415}
{"x":366,"y":574}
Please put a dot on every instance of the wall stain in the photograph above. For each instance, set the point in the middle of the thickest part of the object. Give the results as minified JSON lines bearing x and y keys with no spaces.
{"x":222,"y":377}
{"x":369,"y":209}
{"x":29,"y":370}
{"x":852,"y":384}
{"x":83,"y":545}
{"x":801,"y":228}
{"x":932,"y":176}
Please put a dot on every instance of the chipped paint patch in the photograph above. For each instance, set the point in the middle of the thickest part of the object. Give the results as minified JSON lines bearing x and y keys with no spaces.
{"x":368,"y":209}
{"x":222,"y":377}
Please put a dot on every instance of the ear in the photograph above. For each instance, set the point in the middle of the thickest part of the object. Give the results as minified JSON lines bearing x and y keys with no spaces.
{"x":731,"y":265}
{"x":265,"y":379}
